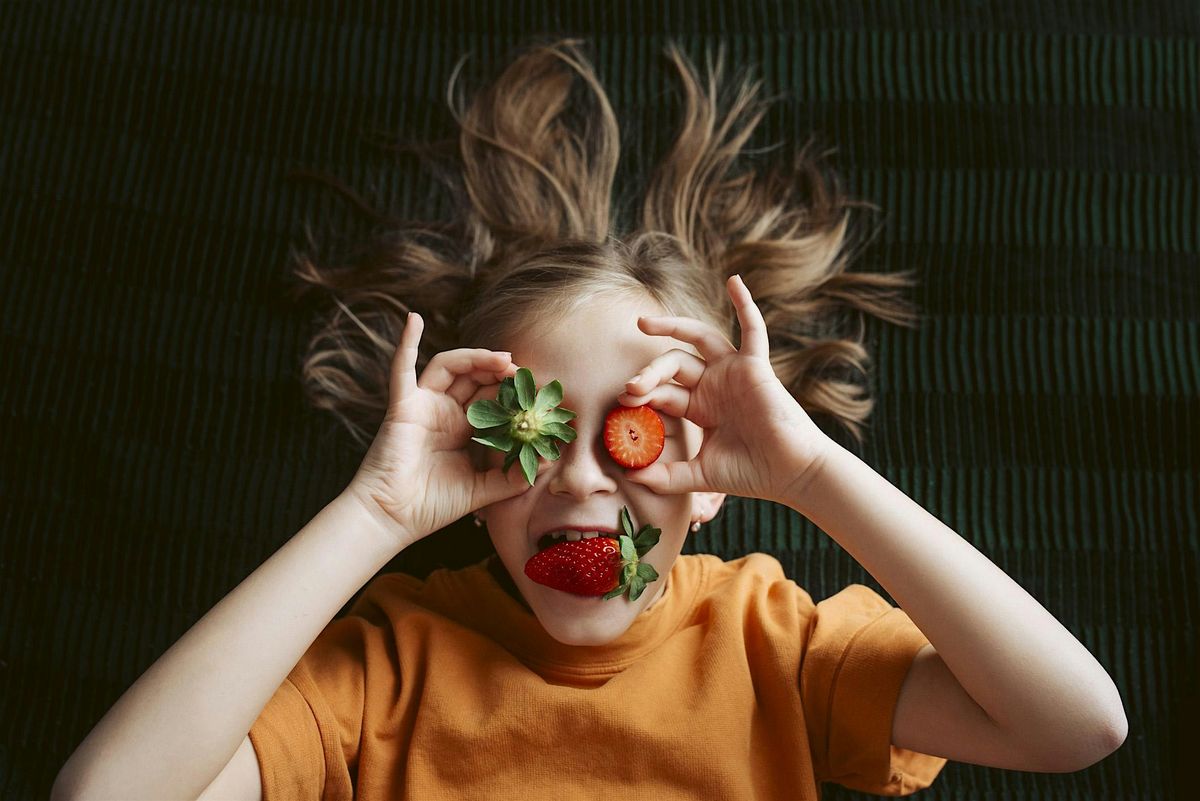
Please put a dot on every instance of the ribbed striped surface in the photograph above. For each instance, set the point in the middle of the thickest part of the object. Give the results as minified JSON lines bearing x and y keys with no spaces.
{"x":1036,"y":162}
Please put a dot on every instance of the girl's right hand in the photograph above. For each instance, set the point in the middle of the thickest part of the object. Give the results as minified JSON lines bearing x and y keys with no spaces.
{"x":418,"y":476}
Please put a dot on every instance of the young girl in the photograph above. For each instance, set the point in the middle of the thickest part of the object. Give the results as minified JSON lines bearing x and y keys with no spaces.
{"x":719,"y":680}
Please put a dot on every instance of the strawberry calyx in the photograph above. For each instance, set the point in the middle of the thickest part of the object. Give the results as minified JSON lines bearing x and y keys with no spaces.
{"x":633,"y":574}
{"x":523,"y":422}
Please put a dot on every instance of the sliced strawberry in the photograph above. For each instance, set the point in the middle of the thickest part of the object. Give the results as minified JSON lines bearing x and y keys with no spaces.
{"x":634,"y":435}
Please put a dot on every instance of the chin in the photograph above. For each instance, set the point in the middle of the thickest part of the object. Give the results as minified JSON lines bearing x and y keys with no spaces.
{"x":579,"y":619}
{"x":584,"y":632}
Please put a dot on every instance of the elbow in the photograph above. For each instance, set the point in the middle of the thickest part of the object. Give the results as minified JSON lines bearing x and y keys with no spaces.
{"x":64,"y":787}
{"x":72,"y":784}
{"x":1110,"y":737}
{"x":1109,"y":731}
{"x":1096,"y":743}
{"x":1101,"y":732}
{"x":1077,"y":739}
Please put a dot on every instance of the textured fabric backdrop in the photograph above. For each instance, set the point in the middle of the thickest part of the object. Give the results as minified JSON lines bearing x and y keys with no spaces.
{"x":1036,"y":162}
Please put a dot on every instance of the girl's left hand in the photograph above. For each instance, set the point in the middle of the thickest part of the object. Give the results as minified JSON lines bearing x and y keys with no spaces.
{"x":758,"y":441}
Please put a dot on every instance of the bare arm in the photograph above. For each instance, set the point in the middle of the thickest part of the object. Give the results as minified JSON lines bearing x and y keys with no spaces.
{"x":1005,"y":683}
{"x":185,"y":720}
{"x":173,"y":731}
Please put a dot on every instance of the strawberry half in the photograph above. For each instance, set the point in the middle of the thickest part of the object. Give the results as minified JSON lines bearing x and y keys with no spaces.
{"x":599,"y":565}
{"x":634,"y":435}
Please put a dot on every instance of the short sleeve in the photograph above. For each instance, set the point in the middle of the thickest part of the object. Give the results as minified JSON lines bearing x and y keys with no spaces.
{"x":307,"y":737}
{"x":858,"y":651}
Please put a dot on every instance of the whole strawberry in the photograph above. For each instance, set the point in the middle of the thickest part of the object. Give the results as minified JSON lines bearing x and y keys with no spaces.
{"x":599,"y":565}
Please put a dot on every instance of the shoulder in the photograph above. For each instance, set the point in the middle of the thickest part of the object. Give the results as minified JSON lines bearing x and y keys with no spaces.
{"x":386,"y":597}
{"x":857,"y":604}
{"x":754,"y":570}
{"x":754,"y":583}
{"x":757,"y":582}
{"x":752,"y":566}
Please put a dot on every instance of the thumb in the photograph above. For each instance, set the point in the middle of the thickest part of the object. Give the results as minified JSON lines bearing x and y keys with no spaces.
{"x":494,"y":485}
{"x":671,"y":478}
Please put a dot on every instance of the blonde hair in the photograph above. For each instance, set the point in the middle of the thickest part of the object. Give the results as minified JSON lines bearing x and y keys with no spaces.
{"x":531,"y":236}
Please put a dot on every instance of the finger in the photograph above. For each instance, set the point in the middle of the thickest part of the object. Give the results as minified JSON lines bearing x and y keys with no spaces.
{"x":466,"y":386}
{"x":448,"y":365}
{"x":710,"y":342}
{"x":495,"y":484}
{"x":675,"y":364}
{"x":670,"y":478}
{"x":670,"y":398}
{"x":754,"y":327}
{"x":404,"y":360}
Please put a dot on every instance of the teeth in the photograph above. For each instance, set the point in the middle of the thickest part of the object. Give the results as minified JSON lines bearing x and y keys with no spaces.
{"x":575,"y":536}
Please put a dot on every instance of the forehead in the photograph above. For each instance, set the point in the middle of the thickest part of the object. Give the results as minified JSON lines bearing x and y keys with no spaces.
{"x":593,"y":350}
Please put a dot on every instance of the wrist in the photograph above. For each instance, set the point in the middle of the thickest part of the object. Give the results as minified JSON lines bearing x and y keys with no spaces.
{"x":805,"y":467}
{"x":374,"y":521}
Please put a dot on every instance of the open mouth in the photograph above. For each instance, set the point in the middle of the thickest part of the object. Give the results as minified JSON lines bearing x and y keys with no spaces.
{"x":548,"y":541}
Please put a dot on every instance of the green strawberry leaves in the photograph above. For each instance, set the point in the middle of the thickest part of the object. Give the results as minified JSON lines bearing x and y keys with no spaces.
{"x":523,"y":422}
{"x":487,"y":413}
{"x":525,"y":388}
{"x":635,"y":574}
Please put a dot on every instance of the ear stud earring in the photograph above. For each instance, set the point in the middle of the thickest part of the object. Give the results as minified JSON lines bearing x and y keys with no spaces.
{"x":696,"y":526}
{"x":478,"y":522}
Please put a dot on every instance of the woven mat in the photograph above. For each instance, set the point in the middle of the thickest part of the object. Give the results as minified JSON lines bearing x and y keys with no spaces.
{"x":1036,"y":162}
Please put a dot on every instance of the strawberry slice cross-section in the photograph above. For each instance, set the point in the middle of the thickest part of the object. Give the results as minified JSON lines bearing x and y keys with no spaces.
{"x":634,"y":436}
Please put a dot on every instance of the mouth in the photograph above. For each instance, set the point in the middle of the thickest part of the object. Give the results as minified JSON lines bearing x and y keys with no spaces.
{"x":571,"y":533}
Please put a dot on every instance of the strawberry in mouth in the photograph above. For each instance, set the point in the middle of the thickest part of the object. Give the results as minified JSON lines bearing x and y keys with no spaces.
{"x":599,"y":565}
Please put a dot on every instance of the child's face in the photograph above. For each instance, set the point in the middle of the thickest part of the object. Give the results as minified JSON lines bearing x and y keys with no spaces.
{"x":592,"y":353}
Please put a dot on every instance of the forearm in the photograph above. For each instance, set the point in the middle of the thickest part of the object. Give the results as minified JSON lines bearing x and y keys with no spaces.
{"x":1019,"y":664}
{"x":176,"y":727}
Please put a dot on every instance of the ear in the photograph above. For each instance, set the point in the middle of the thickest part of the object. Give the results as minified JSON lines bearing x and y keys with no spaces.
{"x":705,"y":505}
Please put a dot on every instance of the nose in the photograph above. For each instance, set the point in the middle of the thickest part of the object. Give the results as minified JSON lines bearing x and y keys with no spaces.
{"x":583,"y":468}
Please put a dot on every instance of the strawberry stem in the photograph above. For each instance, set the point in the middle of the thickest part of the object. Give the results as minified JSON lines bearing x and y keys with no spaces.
{"x":633,"y":573}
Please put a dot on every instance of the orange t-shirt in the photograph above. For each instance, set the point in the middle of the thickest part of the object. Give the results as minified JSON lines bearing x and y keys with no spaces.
{"x":734,"y":684}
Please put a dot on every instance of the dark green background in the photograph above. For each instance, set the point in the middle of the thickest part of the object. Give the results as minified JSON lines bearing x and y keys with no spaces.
{"x":1036,"y":162}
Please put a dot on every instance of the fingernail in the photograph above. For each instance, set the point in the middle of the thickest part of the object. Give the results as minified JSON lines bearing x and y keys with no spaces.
{"x":635,"y":379}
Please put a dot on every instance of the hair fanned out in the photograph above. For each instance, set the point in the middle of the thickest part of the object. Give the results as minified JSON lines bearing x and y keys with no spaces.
{"x":531,"y":227}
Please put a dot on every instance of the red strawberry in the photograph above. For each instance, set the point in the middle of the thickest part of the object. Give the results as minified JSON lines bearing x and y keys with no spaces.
{"x":583,"y":567}
{"x":598,"y":565}
{"x":634,"y":435}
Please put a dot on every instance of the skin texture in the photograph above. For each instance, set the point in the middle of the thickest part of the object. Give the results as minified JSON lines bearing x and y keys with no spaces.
{"x":985,"y":690}
{"x":593,"y":353}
